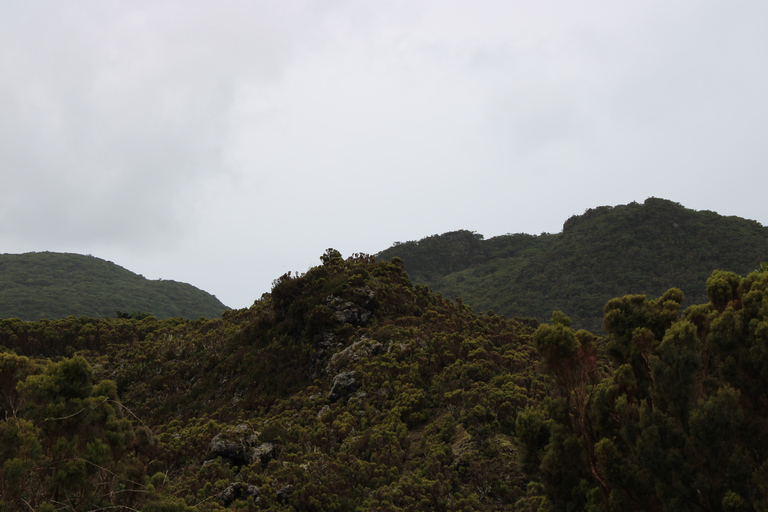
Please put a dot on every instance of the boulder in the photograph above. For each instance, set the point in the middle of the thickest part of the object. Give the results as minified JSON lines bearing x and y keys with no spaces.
{"x":349,"y":312}
{"x":233,"y":445}
{"x":264,"y":453}
{"x":237,"y":491}
{"x":284,"y":494}
{"x":363,"y":348}
{"x":231,"y":451}
{"x":344,"y":384}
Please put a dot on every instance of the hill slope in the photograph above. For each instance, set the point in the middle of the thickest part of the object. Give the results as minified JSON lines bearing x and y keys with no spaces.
{"x":56,"y":285}
{"x":344,"y":387}
{"x":348,"y":388}
{"x":608,"y":251}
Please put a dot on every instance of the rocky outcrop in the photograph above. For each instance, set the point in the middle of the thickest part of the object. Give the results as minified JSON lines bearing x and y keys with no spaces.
{"x":238,"y":491}
{"x":344,"y":384}
{"x":231,"y":451}
{"x":264,"y":453}
{"x":284,"y":493}
{"x":363,"y":348}
{"x":356,"y":312}
{"x":236,"y":446}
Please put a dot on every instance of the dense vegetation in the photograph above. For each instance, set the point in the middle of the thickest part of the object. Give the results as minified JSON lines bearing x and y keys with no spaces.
{"x":608,"y":251}
{"x":51,"y":285}
{"x":670,"y":414}
{"x":350,"y":388}
{"x":344,"y":387}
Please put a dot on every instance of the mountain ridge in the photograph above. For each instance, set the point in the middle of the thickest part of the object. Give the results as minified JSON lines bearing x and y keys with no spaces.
{"x":607,"y":251}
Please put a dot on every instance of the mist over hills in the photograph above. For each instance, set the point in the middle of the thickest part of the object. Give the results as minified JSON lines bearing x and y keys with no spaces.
{"x":608,"y":251}
{"x":53,"y":285}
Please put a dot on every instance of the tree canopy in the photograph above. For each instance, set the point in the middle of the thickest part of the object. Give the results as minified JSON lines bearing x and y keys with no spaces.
{"x":606,"y":252}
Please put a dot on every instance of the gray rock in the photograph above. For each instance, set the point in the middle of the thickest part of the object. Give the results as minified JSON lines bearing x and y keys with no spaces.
{"x":356,"y":313}
{"x":344,"y":384}
{"x":363,"y":348}
{"x":329,"y":344}
{"x":237,"y":491}
{"x":284,"y":494}
{"x":358,"y":399}
{"x":228,"y":495}
{"x":233,"y":445}
{"x":230,"y":450}
{"x":264,"y":453}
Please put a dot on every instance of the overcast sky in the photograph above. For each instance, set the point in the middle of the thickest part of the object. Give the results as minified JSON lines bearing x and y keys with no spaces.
{"x":225,"y":143}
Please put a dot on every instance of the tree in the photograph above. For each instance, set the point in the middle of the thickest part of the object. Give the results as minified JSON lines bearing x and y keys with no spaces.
{"x":679,"y":422}
{"x":13,"y":369}
{"x":65,"y":439}
{"x":572,"y":358}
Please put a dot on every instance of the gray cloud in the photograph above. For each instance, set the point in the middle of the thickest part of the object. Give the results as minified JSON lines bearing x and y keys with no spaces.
{"x":224,"y":144}
{"x":115,"y":113}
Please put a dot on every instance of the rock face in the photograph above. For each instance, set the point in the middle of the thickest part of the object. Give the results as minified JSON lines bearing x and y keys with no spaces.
{"x":264,"y":453}
{"x":284,"y":493}
{"x":231,"y":451}
{"x":355,"y":308}
{"x":363,"y":348}
{"x":237,"y":491}
{"x":344,"y":384}
{"x":234,"y":446}
{"x":240,"y":447}
{"x":356,"y":313}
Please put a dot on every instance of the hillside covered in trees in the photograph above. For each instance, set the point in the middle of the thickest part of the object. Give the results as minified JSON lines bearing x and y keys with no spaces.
{"x":53,"y":285}
{"x":350,"y":388}
{"x":608,"y":251}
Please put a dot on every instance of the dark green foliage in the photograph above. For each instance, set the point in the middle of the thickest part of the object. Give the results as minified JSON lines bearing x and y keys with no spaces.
{"x":35,"y":286}
{"x":428,"y":425}
{"x":66,"y":441}
{"x":433,"y":257}
{"x":348,"y":388}
{"x":676,"y":422}
{"x":606,"y":252}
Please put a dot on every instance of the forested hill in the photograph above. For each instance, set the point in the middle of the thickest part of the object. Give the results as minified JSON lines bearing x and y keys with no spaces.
{"x":608,"y":251}
{"x":51,"y":285}
{"x":347,"y":388}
